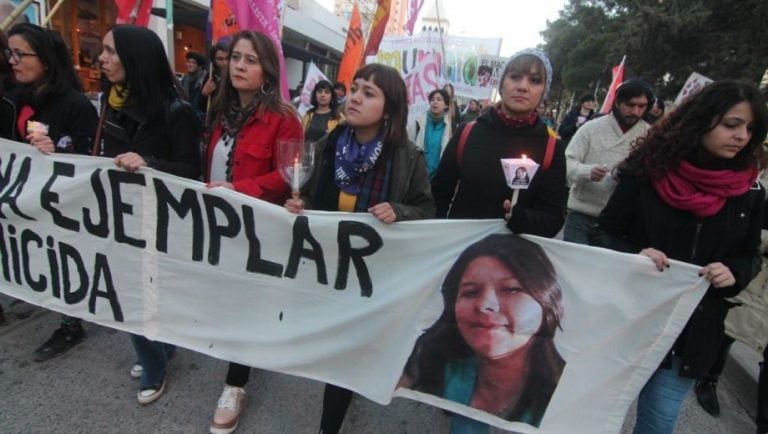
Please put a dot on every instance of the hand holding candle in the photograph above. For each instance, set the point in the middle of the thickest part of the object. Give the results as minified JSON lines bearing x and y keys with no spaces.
{"x":518,"y":172}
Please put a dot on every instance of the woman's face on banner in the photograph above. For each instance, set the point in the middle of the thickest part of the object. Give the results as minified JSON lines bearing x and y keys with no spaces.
{"x":495,"y":315}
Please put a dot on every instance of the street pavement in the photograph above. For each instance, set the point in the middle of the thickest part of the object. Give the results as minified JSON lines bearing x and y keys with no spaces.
{"x":89,"y":390}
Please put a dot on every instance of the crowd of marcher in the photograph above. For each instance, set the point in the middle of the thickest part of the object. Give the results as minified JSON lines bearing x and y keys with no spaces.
{"x":677,"y":184}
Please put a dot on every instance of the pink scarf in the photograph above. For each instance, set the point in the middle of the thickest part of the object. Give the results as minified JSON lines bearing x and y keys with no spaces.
{"x":702,"y":192}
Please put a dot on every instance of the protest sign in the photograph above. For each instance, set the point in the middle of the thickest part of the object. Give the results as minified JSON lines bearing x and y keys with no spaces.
{"x":692,"y":86}
{"x":314,"y":74}
{"x":336,"y":297}
{"x":422,"y":80}
{"x":462,"y":58}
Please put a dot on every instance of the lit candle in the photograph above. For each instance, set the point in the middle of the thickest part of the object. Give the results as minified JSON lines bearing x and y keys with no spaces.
{"x":296,"y":174}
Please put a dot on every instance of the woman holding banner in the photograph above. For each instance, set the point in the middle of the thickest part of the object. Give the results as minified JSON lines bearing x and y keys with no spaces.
{"x":248,"y":118}
{"x":492,"y":348}
{"x":47,"y":108}
{"x":144,"y":123}
{"x":323,"y":117}
{"x":688,"y":192}
{"x":368,"y":165}
{"x":470,"y":181}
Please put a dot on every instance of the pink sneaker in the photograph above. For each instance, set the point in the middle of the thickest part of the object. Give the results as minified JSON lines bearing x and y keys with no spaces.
{"x":228,"y":410}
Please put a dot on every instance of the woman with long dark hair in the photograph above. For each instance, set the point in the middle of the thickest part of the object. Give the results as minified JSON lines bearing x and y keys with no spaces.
{"x":323,"y":117}
{"x":492,"y":348}
{"x":248,"y":119}
{"x":146,"y":124}
{"x":687,"y":191}
{"x":368,"y":165}
{"x":48,"y":110}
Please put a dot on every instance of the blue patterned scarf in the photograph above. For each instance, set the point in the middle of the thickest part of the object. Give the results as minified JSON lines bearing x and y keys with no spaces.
{"x":354,"y":159}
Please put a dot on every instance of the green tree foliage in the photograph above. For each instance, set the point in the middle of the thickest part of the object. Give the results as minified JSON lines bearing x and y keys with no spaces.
{"x":664,"y":41}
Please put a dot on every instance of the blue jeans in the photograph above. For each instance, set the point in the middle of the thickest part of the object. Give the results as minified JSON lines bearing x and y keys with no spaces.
{"x":153,"y":357}
{"x":660,"y":399}
{"x":464,"y":425}
{"x":577,"y":227}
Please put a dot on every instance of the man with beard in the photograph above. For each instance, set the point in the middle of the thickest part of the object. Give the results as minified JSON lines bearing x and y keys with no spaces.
{"x":596,"y":150}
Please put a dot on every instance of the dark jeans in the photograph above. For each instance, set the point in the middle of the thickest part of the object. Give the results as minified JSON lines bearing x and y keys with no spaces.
{"x":336,"y":401}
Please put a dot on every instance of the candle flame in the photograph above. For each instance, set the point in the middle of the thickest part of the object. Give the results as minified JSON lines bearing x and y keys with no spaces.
{"x":524,"y":157}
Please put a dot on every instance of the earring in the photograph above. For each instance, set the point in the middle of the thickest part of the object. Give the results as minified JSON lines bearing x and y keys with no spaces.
{"x":268,"y":89}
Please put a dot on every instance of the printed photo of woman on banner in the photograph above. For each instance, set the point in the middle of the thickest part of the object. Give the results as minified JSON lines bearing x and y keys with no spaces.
{"x":492,"y":348}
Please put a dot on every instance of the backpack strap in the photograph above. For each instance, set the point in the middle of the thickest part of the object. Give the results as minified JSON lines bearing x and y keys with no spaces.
{"x":463,"y":141}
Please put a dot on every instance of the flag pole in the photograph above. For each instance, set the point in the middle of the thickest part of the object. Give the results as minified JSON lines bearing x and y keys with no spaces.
{"x":15,"y":14}
{"x":169,"y":34}
{"x":51,"y":13}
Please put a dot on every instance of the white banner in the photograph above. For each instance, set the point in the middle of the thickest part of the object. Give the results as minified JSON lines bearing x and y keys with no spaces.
{"x":314,"y":74}
{"x":462,"y":58}
{"x":340,"y":297}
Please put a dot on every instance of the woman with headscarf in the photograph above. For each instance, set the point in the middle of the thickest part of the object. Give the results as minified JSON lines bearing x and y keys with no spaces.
{"x":470,"y":182}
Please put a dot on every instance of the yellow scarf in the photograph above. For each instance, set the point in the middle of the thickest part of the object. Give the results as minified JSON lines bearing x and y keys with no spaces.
{"x":118,"y":94}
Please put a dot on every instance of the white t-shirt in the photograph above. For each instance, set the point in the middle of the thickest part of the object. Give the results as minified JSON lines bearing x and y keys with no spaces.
{"x":220,"y":157}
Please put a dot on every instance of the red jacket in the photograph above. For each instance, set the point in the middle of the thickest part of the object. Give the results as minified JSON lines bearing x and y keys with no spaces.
{"x":254,"y":165}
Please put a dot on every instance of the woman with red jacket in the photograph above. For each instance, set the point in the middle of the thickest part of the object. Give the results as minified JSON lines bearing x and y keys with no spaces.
{"x":248,"y":119}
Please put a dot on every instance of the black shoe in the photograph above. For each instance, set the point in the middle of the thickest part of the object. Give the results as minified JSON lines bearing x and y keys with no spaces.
{"x":706,"y":394}
{"x":63,"y":338}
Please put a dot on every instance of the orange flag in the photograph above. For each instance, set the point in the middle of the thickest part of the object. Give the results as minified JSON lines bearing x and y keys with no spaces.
{"x":353,"y":49}
{"x":223,"y":21}
{"x":378,"y":26}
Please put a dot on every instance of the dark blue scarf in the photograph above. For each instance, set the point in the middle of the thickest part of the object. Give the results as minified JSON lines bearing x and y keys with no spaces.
{"x":354,"y":159}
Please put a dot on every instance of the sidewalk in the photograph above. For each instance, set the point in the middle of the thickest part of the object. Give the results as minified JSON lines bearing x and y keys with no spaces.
{"x":89,"y":390}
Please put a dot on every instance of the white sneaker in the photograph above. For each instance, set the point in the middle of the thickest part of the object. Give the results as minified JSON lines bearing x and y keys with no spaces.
{"x":228,"y":410}
{"x":136,"y":370}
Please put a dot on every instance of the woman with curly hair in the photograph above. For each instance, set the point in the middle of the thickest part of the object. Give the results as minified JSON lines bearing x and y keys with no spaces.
{"x":323,"y":117}
{"x":687,"y":191}
{"x":492,"y":348}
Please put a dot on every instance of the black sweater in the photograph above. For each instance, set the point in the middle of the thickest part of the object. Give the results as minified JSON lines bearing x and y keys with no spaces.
{"x":480,"y":186}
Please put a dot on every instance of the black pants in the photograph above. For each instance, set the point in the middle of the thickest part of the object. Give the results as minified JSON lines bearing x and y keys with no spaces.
{"x":237,"y":374}
{"x":336,"y":401}
{"x":722,"y":356}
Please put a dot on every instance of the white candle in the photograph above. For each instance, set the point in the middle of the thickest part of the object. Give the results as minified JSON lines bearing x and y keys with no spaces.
{"x":296,"y":174}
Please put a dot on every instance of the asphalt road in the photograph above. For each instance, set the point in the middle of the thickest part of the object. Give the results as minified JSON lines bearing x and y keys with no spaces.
{"x":89,"y":390}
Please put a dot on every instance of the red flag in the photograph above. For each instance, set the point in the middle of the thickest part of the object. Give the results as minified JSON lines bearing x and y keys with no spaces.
{"x":618,"y":77}
{"x":353,"y":49}
{"x":134,"y":12}
{"x":414,"y":6}
{"x":263,"y":16}
{"x":223,"y":21}
{"x":378,"y":26}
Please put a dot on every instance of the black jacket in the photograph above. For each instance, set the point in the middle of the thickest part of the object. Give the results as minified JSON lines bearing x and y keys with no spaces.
{"x":170,"y":143}
{"x":71,"y":118}
{"x":480,"y":186}
{"x":635,"y":218}
{"x":570,"y":124}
